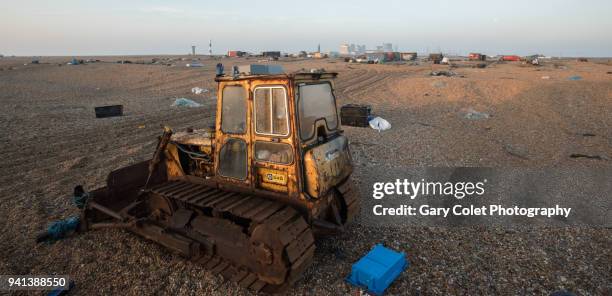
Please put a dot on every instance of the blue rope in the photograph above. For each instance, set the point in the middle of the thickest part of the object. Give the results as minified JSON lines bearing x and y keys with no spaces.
{"x":80,"y":200}
{"x":59,"y":229}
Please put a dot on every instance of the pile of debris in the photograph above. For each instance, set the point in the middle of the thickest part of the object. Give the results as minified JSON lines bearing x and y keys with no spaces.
{"x":443,"y":73}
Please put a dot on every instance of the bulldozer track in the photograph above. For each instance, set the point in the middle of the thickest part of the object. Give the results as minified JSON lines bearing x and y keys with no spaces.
{"x":294,"y":233}
{"x":351,"y":199}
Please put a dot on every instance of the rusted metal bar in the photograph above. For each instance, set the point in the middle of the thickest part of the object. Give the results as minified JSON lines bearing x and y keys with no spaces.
{"x":111,"y":225}
{"x":163,"y":142}
{"x":105,"y":210}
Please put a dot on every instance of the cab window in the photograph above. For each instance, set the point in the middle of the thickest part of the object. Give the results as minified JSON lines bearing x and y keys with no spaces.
{"x":316,"y":102}
{"x":233,"y":113}
{"x":273,"y":152}
{"x":271,"y":116}
{"x":233,"y":160}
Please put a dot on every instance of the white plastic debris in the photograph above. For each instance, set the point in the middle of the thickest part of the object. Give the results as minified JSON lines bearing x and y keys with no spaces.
{"x":196,"y":90}
{"x":379,"y":124}
{"x":184,"y":102}
{"x":475,"y":115}
{"x":445,"y":61}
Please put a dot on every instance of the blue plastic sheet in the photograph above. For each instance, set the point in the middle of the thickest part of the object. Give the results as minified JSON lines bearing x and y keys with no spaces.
{"x":184,"y":102}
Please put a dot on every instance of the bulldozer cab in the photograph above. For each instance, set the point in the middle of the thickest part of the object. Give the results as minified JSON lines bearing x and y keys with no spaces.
{"x":270,"y":128}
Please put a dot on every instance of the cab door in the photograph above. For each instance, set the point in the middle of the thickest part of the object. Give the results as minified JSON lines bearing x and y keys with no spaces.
{"x":274,"y":161}
{"x":233,"y":137}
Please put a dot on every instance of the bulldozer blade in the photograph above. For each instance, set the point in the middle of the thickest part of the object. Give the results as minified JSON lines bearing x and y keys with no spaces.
{"x":120,"y":196}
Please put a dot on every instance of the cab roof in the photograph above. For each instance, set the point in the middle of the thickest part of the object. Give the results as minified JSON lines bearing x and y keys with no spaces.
{"x":297,"y":76}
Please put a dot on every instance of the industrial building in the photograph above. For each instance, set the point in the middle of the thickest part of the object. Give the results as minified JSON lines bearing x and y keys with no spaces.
{"x":351,"y":49}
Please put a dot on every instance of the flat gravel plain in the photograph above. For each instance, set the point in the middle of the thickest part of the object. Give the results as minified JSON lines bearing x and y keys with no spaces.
{"x":52,"y":141}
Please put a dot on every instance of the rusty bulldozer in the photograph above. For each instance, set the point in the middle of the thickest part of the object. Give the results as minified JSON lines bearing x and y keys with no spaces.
{"x":246,"y":198}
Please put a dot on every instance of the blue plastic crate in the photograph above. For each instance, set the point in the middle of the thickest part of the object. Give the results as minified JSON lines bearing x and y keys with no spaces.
{"x":376,"y":270}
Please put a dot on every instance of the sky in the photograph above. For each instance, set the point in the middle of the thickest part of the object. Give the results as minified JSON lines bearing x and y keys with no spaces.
{"x":134,"y":27}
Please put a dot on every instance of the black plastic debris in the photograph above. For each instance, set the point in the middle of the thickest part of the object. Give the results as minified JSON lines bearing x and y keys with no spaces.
{"x":80,"y":197}
{"x":109,"y":111}
{"x":355,"y":115}
{"x":579,"y":155}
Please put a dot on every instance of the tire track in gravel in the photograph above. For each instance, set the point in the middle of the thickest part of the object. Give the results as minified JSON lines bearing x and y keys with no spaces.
{"x":365,"y":85}
{"x":179,"y":84}
{"x":352,"y":81}
{"x":75,"y":141}
{"x":124,"y":126}
{"x":106,"y":158}
{"x":173,"y":88}
{"x":79,"y":141}
{"x":48,"y":165}
{"x":347,"y":78}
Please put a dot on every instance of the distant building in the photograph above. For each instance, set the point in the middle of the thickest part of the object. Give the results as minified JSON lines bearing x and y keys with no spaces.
{"x":477,"y":56}
{"x":387,"y":47}
{"x":408,"y":56}
{"x":360,"y":49}
{"x":375,"y":56}
{"x":271,"y":54}
{"x":352,"y":49}
{"x":391,"y":56}
{"x":345,"y":49}
{"x":319,"y":55}
{"x":236,"y":53}
{"x":436,"y":58}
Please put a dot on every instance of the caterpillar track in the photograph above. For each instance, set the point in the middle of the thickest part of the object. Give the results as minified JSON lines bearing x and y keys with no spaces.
{"x":260,"y":244}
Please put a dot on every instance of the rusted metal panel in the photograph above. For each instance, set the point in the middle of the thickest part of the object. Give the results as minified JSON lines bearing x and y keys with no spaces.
{"x":326,"y":166}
